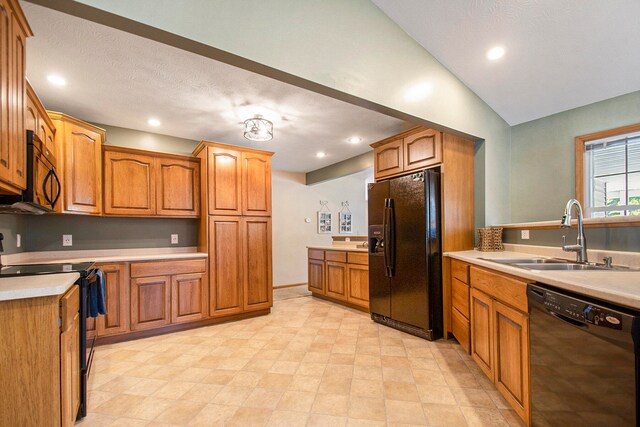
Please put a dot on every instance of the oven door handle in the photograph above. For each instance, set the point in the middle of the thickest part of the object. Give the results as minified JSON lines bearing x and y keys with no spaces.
{"x":58,"y":185}
{"x":44,"y":187}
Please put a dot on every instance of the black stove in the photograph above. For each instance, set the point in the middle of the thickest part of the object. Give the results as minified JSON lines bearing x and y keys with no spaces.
{"x":83,"y":268}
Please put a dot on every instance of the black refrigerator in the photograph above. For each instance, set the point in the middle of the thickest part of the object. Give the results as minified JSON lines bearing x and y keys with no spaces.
{"x":405,"y":258}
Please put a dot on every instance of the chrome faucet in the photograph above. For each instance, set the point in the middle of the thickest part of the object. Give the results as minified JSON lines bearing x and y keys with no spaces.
{"x":580,"y":248}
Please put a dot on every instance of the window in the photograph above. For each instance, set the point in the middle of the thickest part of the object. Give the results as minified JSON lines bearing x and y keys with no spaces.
{"x":608,"y":172}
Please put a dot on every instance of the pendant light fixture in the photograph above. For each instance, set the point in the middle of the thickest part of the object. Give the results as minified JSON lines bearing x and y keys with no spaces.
{"x":258,"y":129}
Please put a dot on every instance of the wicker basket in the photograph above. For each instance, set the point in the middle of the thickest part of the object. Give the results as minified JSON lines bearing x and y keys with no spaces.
{"x":490,"y":239}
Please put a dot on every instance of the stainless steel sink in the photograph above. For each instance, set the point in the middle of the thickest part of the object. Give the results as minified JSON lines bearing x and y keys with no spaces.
{"x":566,"y":266}
{"x":511,"y":261}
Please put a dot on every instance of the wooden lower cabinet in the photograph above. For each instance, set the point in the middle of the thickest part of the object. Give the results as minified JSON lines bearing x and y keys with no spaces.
{"x":257,"y":288}
{"x":70,"y":372}
{"x":358,"y":289}
{"x":188,"y":297}
{"x":336,"y":279}
{"x":316,"y":276}
{"x":511,"y":354}
{"x":150,"y":302}
{"x":340,"y":275}
{"x":225,"y":265}
{"x":116,"y":321}
{"x":481,"y":331}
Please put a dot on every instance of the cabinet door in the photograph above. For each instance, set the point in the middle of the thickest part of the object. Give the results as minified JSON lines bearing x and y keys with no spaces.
{"x":150,"y":302}
{"x":225,"y":266}
{"x":19,"y":103}
{"x":188,"y":297}
{"x":116,"y":321}
{"x":82,"y":170}
{"x":256,"y":184}
{"x":336,"y":279}
{"x":358,"y":284}
{"x":258,"y":290}
{"x":388,"y":159}
{"x":511,"y":350}
{"x":422,"y":149}
{"x":6,"y":145}
{"x":70,"y":372}
{"x":31,"y":113}
{"x":130,"y":187}
{"x":177,"y":187}
{"x":316,"y":276}
{"x":224,"y":181}
{"x":482,"y":331}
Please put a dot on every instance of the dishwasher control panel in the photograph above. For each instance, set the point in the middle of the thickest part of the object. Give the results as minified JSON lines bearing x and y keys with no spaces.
{"x":582,"y":311}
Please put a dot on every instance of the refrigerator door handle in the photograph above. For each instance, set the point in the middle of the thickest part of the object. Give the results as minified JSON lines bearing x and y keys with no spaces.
{"x":389,"y":244}
{"x":385,"y":235}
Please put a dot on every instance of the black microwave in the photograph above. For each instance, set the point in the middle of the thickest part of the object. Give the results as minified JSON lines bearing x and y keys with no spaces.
{"x":43,"y":185}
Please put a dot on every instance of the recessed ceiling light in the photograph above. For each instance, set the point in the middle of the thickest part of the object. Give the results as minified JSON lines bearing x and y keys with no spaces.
{"x":495,"y":53}
{"x":153,"y":122}
{"x":320,"y":154}
{"x":57,"y":80}
{"x":355,"y":140}
{"x":418,"y":92}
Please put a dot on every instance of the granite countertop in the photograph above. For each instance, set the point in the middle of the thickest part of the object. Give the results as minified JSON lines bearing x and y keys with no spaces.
{"x":21,"y":287}
{"x":104,"y":256}
{"x":339,"y":247}
{"x":619,"y":287}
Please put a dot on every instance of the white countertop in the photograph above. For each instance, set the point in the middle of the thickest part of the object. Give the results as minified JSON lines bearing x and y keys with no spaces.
{"x":339,"y":247}
{"x":36,"y":286}
{"x":619,"y":287}
{"x":103,"y":256}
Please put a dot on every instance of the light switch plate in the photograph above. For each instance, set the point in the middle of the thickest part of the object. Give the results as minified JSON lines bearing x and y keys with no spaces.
{"x":67,"y":240}
{"x":524,"y":234}
{"x":174,"y":239}
{"x":18,"y":240}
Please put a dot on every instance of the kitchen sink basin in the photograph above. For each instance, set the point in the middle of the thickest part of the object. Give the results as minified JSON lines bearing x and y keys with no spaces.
{"x":511,"y":261}
{"x":555,"y":264}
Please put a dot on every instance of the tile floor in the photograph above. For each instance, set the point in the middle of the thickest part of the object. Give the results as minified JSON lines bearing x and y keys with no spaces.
{"x":309,"y":362}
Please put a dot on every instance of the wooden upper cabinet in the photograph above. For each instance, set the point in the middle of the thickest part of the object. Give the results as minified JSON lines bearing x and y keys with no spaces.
{"x":14,"y":31}
{"x":415,"y":149}
{"x":257,"y":290}
{"x":38,"y":121}
{"x":177,"y":187}
{"x":422,"y":149}
{"x":225,"y":265}
{"x":256,"y":184}
{"x":224,"y":181}
{"x":388,"y":159}
{"x":129,"y":183}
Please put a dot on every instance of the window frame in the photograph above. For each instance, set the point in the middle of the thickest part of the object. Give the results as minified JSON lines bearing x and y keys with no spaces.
{"x":580,"y":143}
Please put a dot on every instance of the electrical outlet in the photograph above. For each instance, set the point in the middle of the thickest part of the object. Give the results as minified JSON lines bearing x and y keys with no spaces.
{"x":18,"y":240}
{"x":174,"y":239}
{"x":524,"y":234}
{"x":67,"y":240}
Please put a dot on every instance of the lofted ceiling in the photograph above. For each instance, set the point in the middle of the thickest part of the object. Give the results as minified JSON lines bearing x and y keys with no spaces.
{"x":559,"y":54}
{"x":120,"y":79}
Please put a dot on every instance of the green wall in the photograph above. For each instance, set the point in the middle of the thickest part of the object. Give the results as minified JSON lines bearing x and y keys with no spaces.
{"x":10,"y":225}
{"x":542,"y":155}
{"x":612,"y":238}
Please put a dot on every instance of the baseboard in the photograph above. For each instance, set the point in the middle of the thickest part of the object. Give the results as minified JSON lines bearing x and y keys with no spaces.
{"x":293,"y":285}
{"x":337,"y":301}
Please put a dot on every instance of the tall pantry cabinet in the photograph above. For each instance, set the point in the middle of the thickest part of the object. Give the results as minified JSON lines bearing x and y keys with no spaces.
{"x":235,"y":228}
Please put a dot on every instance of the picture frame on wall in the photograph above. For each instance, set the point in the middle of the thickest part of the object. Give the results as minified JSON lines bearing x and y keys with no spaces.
{"x":346,"y":223}
{"x":325,"y":223}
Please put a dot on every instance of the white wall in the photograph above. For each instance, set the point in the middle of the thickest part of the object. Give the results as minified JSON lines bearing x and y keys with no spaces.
{"x":293,"y":201}
{"x":348,"y":45}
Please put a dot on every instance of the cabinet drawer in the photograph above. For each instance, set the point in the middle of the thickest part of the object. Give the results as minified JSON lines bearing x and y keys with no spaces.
{"x":358,"y":258}
{"x":337,"y":256}
{"x":504,"y":288}
{"x":460,"y":297}
{"x":460,"y":270}
{"x":167,"y":268}
{"x":460,"y":329}
{"x":316,"y":254}
{"x":69,"y":306}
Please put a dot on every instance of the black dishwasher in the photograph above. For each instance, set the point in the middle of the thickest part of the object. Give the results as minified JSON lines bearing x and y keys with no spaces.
{"x":584,"y":360}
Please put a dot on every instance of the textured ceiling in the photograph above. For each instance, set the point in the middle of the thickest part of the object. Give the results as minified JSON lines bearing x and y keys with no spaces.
{"x":561,"y":54}
{"x":122,"y":80}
